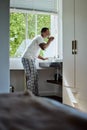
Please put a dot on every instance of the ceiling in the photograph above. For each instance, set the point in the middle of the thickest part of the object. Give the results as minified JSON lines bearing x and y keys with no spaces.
{"x":37,"y":5}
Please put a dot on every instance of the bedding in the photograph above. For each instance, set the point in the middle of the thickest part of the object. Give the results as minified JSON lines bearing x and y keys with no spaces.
{"x":24,"y":111}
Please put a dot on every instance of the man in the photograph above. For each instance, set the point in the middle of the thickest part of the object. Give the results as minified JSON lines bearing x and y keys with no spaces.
{"x":29,"y":56}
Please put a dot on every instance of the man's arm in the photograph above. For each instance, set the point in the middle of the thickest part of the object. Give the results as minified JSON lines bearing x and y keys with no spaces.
{"x":42,"y":58}
{"x":43,"y":46}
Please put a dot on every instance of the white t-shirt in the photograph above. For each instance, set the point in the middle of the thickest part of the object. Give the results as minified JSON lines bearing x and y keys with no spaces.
{"x":32,"y":51}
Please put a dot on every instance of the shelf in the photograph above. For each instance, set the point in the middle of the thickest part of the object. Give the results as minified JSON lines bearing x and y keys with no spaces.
{"x":54,"y":82}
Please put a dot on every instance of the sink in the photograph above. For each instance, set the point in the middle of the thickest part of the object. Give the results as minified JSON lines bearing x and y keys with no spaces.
{"x":51,"y":64}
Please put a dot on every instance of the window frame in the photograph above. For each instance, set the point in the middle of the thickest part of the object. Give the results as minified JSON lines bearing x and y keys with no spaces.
{"x":26,"y":33}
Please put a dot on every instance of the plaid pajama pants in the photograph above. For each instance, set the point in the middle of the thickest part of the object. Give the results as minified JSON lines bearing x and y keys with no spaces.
{"x":31,"y":75}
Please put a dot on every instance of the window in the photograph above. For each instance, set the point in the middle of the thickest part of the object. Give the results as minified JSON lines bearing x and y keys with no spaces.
{"x":17,"y":31}
{"x":25,"y":26}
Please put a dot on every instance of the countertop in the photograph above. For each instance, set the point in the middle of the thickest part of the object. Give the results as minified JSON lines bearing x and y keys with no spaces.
{"x":16,"y":64}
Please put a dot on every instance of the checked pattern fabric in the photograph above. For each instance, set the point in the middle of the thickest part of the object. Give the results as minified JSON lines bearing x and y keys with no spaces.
{"x":31,"y":75}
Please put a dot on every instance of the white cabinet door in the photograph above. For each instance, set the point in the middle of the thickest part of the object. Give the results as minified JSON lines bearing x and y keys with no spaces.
{"x":75,"y":66}
{"x":68,"y":36}
{"x":81,"y":57}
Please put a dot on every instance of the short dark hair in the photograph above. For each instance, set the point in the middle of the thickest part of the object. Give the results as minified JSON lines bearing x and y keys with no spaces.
{"x":44,"y":29}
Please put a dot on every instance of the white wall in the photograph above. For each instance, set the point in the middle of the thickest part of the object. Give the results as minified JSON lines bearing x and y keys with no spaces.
{"x":60,"y":37}
{"x":4,"y":46}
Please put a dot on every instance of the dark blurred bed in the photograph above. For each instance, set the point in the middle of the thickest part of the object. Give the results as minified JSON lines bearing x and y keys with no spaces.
{"x":24,"y":111}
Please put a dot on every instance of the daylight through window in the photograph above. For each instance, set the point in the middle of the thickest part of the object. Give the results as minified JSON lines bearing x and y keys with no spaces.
{"x":25,"y":26}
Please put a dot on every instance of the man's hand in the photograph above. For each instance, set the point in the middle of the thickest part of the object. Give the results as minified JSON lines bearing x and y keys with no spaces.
{"x":43,"y":46}
{"x":51,"y":38}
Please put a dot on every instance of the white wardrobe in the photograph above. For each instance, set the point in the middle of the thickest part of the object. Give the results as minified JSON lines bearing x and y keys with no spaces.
{"x":75,"y":51}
